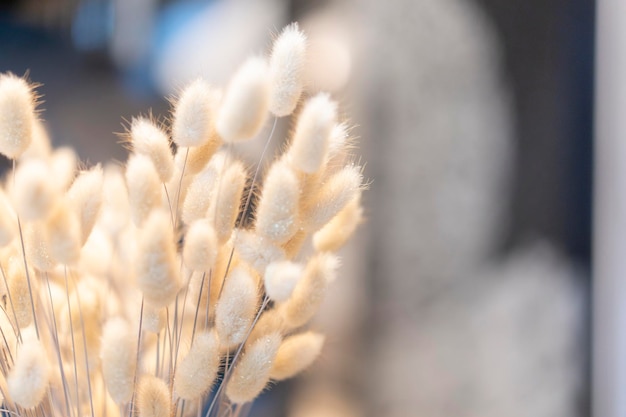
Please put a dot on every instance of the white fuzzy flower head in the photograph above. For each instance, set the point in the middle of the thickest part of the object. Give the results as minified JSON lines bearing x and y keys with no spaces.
{"x":244,"y":108}
{"x":17,"y":115}
{"x":287,"y":64}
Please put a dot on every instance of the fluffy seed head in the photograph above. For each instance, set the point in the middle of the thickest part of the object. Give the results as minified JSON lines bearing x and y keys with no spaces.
{"x":226,"y":202}
{"x":251,"y":374}
{"x":277,"y":213}
{"x":295,"y":354}
{"x":287,"y":70}
{"x":17,"y":115}
{"x":271,"y":321}
{"x":201,"y":247}
{"x":29,"y":378}
{"x":148,"y":139}
{"x":199,"y":156}
{"x":153,"y":318}
{"x":37,"y":246}
{"x":310,"y":290}
{"x":193,"y":115}
{"x":115,"y":212}
{"x":310,"y":141}
{"x":257,"y":250}
{"x":64,"y":234}
{"x":63,"y":162}
{"x":281,"y":278}
{"x":34,"y":192}
{"x":144,"y":187}
{"x":119,"y":355}
{"x":200,"y":191}
{"x":336,"y":232}
{"x":244,"y":108}
{"x":85,"y":197}
{"x":236,"y":307}
{"x":20,"y":296}
{"x":197,"y":371}
{"x":333,"y":196}
{"x":157,"y":269}
{"x":153,"y":397}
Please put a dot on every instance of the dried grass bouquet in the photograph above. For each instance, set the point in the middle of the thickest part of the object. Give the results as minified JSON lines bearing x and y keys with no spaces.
{"x":175,"y":285}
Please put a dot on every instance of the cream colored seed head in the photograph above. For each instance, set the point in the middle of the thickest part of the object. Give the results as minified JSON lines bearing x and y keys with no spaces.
{"x":226,"y":202}
{"x":236,"y":307}
{"x":144,"y":187}
{"x":339,"y":146}
{"x":17,"y":115}
{"x":271,"y":321}
{"x":336,"y":232}
{"x":197,"y":371}
{"x":153,"y":318}
{"x":18,"y":289}
{"x":257,"y":250}
{"x":85,"y":197}
{"x":295,"y":354}
{"x":244,"y":107}
{"x":281,"y":278}
{"x":29,"y":378}
{"x":34,"y":194}
{"x":277,"y":212}
{"x":193,"y":115}
{"x":287,"y":70}
{"x":63,"y":162}
{"x":310,"y":291}
{"x":200,"y":250}
{"x":153,"y":397}
{"x":37,"y":246}
{"x":251,"y":374}
{"x":332,"y":197}
{"x":64,"y":234}
{"x":119,"y":355}
{"x":199,"y":194}
{"x":148,"y":139}
{"x":115,"y":216}
{"x":157,"y":269}
{"x":309,"y":145}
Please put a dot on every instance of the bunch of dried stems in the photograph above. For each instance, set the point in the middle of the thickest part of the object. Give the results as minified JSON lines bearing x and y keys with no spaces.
{"x":175,"y":285}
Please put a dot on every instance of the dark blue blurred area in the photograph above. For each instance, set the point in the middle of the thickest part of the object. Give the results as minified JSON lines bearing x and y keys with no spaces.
{"x":548,"y":50}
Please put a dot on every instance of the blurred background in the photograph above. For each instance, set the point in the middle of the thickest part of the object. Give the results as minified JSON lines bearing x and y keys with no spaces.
{"x":467,"y":292}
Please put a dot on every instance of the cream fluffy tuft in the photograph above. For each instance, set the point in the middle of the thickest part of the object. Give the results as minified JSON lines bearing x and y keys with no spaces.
{"x":119,"y":355}
{"x":144,"y":187}
{"x":148,"y":139}
{"x":200,"y":250}
{"x":236,"y":307}
{"x":251,"y":374}
{"x":287,"y":70}
{"x":277,"y":212}
{"x":153,"y":397}
{"x":85,"y":197}
{"x":309,"y":145}
{"x":281,"y":278}
{"x":17,"y":115}
{"x":193,"y":114}
{"x":34,"y":193}
{"x":198,"y":369}
{"x":244,"y":107}
{"x":295,"y":354}
{"x":156,"y":266}
{"x":28,"y":380}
